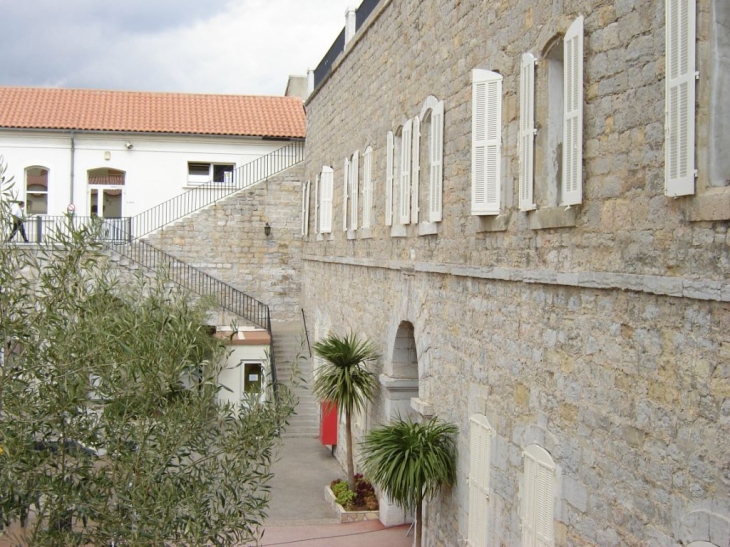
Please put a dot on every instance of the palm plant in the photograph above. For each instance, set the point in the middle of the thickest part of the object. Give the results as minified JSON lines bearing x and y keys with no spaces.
{"x":410,"y":462}
{"x":345,"y":381}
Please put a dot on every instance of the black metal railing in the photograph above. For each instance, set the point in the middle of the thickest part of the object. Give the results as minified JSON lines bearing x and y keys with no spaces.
{"x":338,"y":46}
{"x":185,"y":275}
{"x":41,"y":228}
{"x":207,"y":193}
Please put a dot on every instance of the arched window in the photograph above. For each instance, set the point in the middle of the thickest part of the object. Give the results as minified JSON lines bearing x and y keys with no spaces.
{"x":36,"y":190}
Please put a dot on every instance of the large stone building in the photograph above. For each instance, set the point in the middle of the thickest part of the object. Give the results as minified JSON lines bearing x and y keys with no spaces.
{"x":525,"y":205}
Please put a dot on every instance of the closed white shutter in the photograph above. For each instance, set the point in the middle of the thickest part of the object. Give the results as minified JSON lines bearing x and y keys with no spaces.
{"x":345,"y":193}
{"x":538,"y":498}
{"x":355,"y":189}
{"x":436,"y":154}
{"x":416,"y":174}
{"x":389,"y":179}
{"x":572,"y":183}
{"x":486,"y":142}
{"x":327,"y":183}
{"x":680,"y":98}
{"x":305,"y":208}
{"x":480,"y":448}
{"x":527,"y":131}
{"x":367,"y":188}
{"x":405,"y":173}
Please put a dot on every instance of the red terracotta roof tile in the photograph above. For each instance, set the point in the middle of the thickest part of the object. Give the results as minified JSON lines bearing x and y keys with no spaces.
{"x":135,"y":111}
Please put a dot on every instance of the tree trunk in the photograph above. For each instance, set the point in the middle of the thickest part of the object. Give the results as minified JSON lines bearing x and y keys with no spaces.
{"x":419,"y":522}
{"x":350,"y":455}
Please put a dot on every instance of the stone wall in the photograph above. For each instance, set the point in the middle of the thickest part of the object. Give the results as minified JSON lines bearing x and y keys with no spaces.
{"x":227,"y":241}
{"x":604,"y":340}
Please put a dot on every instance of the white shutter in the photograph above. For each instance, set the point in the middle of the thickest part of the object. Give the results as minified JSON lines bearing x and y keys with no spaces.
{"x":327,"y":183}
{"x":538,"y":498}
{"x":317,"y":199}
{"x":354,"y":189}
{"x":486,"y":142}
{"x":480,"y":447}
{"x":527,"y":131}
{"x":405,"y":173}
{"x":572,"y":183}
{"x":345,"y":193}
{"x":437,"y":164}
{"x":416,"y":174}
{"x":305,"y":208}
{"x":389,"y":179}
{"x":367,"y":188}
{"x":680,"y":98}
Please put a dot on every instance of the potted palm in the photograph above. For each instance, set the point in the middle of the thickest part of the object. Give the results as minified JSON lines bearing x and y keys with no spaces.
{"x":410,"y":462}
{"x":344,"y":380}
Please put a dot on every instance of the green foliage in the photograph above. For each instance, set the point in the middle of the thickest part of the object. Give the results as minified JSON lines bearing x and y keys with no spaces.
{"x":109,"y":416}
{"x":343,"y":494}
{"x":410,"y":461}
{"x":345,"y":380}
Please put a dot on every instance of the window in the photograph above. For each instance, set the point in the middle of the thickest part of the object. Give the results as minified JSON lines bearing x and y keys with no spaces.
{"x":719,"y":172}
{"x":345,"y":192}
{"x":537,"y":497}
{"x":486,"y":142}
{"x":480,"y":449}
{"x":202,"y":172}
{"x":436,"y":166}
{"x":326,"y":183}
{"x":367,"y":188}
{"x":36,"y":190}
{"x":680,"y":98}
{"x":354,"y":189}
{"x":415,"y":168}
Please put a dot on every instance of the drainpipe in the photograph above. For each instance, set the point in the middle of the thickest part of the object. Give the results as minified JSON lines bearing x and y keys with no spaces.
{"x":73,"y":156}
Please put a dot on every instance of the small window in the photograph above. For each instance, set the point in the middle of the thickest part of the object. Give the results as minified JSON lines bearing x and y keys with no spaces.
{"x":223,"y":173}
{"x":326,"y":183}
{"x":202,"y":172}
{"x":367,"y":188}
{"x":36,"y":190}
{"x":252,"y":380}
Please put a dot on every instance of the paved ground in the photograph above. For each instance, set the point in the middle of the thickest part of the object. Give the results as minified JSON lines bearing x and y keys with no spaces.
{"x":300,"y":516}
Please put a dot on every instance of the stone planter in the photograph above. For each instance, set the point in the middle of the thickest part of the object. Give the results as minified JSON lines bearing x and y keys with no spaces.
{"x":348,"y":516}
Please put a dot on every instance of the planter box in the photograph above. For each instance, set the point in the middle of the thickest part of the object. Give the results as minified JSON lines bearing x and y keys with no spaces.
{"x":348,"y":516}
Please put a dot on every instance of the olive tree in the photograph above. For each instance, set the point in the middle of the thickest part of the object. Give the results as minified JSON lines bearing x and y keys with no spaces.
{"x":111,"y":430}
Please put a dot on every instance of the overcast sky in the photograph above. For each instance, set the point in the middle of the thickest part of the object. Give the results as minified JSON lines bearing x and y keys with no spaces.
{"x":192,"y":46}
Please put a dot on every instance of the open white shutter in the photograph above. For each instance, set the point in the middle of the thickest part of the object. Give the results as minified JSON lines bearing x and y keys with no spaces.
{"x":486,"y":142}
{"x":389,"y":179}
{"x":527,"y":131}
{"x":355,"y":189}
{"x":416,"y":174}
{"x":345,"y":193}
{"x":317,"y":199}
{"x":436,"y":154}
{"x":680,"y":98}
{"x":480,"y":448}
{"x":572,"y":183}
{"x":327,"y":183}
{"x":545,"y":504}
{"x":305,"y":208}
{"x":367,"y":187}
{"x":405,"y":173}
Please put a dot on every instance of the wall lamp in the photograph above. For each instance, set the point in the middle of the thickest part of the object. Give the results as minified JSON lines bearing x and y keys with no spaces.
{"x":267,"y":230}
{"x":129,"y":145}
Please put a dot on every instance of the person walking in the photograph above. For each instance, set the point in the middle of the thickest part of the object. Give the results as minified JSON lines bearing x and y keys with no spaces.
{"x":18,"y":214}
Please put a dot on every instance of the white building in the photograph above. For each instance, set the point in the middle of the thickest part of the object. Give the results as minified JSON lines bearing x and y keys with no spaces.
{"x":116,"y":154}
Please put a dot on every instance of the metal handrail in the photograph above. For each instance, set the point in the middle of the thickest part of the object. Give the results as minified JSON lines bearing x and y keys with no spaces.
{"x":185,"y":275}
{"x":207,"y":193}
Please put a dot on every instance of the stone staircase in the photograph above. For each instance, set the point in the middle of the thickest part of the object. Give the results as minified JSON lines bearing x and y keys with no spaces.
{"x":290,"y":348}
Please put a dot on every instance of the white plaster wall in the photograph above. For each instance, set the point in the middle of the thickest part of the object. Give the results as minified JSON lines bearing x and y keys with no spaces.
{"x":156,"y":166}
{"x":232,"y":376}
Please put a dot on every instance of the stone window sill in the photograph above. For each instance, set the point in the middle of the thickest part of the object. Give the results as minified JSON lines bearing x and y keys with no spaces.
{"x":428,"y":228}
{"x":492,"y":224}
{"x":324,"y":237}
{"x":398,"y":230}
{"x":714,"y":204}
{"x":553,"y":217}
{"x":351,"y":234}
{"x":366,"y":233}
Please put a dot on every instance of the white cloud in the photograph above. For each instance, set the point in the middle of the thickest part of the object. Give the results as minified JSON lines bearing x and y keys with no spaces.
{"x":246,"y":46}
